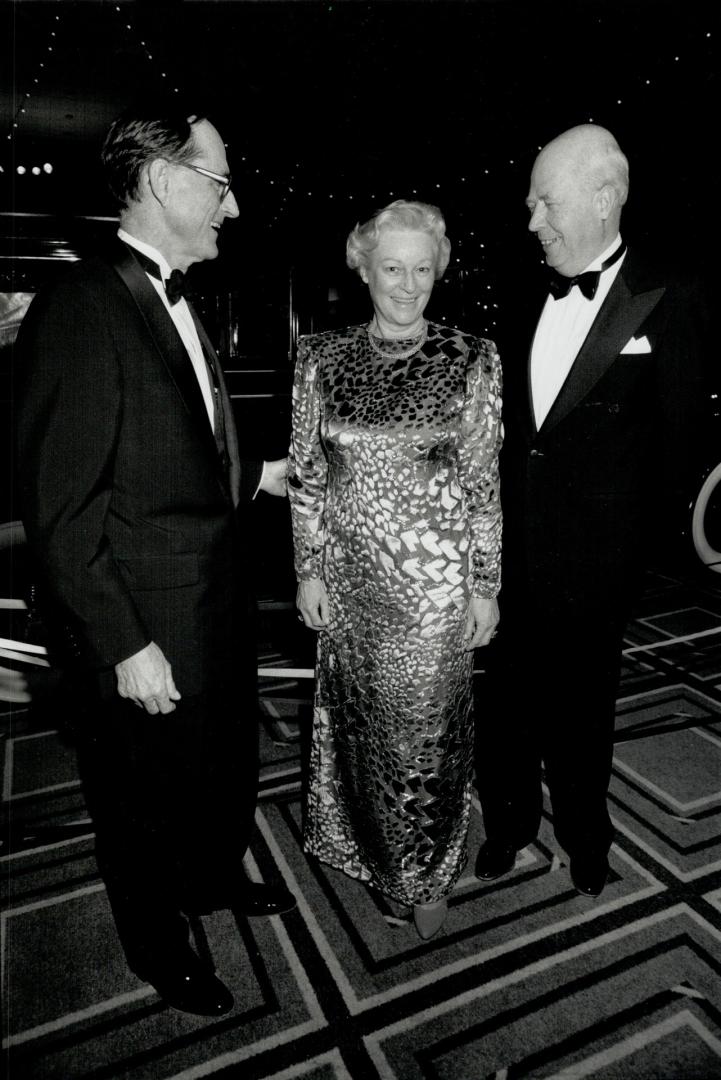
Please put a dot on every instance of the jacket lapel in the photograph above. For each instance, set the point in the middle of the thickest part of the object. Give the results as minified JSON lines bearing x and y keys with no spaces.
{"x":165,"y":338}
{"x":621,"y":314}
{"x":231,"y":435}
{"x":515,"y":342}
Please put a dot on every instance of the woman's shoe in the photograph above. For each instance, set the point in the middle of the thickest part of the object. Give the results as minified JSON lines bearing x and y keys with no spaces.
{"x":429,"y":918}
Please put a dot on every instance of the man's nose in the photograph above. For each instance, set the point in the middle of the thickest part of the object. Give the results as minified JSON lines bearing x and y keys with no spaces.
{"x":537,"y":219}
{"x":230,"y":206}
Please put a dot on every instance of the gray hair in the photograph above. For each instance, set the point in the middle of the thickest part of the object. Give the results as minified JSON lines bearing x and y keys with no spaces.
{"x":139,"y":135}
{"x":400,"y":214}
{"x":609,"y":165}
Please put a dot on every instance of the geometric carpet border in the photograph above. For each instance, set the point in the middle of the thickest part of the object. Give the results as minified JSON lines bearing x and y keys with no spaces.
{"x":447,"y":974}
{"x":514,"y":1022}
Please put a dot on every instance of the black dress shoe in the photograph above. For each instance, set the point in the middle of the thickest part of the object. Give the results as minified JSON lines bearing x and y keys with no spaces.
{"x":188,"y":985}
{"x":494,"y":860}
{"x":589,"y":872}
{"x":257,"y":899}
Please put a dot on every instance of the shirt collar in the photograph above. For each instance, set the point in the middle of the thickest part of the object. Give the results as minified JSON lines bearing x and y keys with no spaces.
{"x":596,"y":263}
{"x":146,"y":249}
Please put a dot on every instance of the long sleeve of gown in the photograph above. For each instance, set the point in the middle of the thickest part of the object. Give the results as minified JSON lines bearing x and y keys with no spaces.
{"x":307,"y":466}
{"x":479,"y":442}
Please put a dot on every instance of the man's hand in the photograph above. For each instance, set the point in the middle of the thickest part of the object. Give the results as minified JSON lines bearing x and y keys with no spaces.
{"x":481,"y":622}
{"x":312,"y":603}
{"x":274,"y":477}
{"x":147,"y":679}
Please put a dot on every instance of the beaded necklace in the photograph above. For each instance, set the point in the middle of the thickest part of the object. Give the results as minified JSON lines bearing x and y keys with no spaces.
{"x":397,"y":355}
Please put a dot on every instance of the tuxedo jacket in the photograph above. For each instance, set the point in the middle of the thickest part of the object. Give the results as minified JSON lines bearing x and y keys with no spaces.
{"x":608,"y":475}
{"x":134,"y":519}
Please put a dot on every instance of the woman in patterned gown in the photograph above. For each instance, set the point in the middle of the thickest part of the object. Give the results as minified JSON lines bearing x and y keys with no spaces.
{"x":393,"y":485}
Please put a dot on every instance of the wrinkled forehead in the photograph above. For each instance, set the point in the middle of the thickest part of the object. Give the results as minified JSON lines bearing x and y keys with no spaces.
{"x":548,"y":181}
{"x":404,"y":243}
{"x":210,"y":147}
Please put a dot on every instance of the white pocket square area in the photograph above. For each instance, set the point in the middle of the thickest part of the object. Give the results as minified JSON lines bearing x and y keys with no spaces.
{"x":636,"y":345}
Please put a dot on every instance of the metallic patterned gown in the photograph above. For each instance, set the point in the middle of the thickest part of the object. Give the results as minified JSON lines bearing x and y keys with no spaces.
{"x":393,"y":484}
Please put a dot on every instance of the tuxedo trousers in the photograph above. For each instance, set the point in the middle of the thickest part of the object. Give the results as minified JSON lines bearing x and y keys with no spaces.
{"x":548,"y":707}
{"x":172,"y":798}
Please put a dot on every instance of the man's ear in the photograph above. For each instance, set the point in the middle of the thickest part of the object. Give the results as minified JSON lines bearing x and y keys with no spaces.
{"x":158,"y":180}
{"x":606,"y":199}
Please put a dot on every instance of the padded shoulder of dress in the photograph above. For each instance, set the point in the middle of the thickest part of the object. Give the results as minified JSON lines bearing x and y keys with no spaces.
{"x":462,"y":338}
{"x":330,"y":340}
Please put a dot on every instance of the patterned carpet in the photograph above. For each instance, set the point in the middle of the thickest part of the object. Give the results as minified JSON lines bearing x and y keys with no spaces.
{"x":527,"y":979}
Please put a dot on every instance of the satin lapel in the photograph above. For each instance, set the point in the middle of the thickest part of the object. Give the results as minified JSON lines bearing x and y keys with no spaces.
{"x":529,"y":417}
{"x":165,"y":337}
{"x":231,"y":435}
{"x":620,"y":316}
{"x":517,"y":380}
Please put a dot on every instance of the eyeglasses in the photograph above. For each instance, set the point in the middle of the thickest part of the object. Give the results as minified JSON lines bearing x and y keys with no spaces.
{"x":224,"y":181}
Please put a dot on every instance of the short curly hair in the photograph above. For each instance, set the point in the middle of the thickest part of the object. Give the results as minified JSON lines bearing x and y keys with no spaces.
{"x":142,"y":133}
{"x":400,"y":214}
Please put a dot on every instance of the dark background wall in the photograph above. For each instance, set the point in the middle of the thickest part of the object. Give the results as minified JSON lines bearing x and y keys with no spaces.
{"x":329,"y":111}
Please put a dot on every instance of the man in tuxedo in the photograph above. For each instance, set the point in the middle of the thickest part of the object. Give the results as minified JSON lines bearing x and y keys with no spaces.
{"x":601,"y":419}
{"x":135,"y":505}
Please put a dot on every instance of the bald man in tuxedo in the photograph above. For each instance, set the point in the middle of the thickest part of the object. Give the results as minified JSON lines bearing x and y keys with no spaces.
{"x":603,"y":406}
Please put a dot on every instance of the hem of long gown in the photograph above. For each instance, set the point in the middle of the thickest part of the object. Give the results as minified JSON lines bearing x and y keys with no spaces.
{"x":361,"y":873}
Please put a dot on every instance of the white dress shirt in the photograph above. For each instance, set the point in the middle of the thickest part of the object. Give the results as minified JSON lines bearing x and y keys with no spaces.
{"x":562,"y":329}
{"x":180,"y":314}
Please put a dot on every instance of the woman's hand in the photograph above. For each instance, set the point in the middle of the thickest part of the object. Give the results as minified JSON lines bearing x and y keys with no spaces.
{"x":312,"y":603}
{"x":481,"y":622}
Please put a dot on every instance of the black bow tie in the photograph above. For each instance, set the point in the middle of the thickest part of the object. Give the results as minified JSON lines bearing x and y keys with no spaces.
{"x":175,"y":285}
{"x":559,"y":286}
